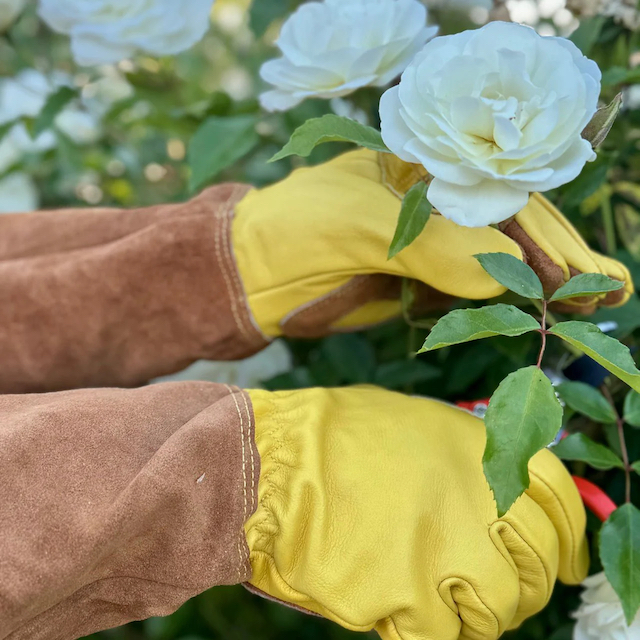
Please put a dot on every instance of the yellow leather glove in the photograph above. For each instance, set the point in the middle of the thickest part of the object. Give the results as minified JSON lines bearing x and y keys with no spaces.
{"x":373,"y":511}
{"x":312,"y":249}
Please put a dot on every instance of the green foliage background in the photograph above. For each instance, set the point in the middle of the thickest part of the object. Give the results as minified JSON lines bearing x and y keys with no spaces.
{"x":173,"y":103}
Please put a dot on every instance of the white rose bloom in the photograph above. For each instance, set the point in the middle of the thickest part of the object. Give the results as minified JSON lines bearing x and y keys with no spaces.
{"x":18,"y":193}
{"x":104,"y":31}
{"x":246,"y":374}
{"x":334,"y":47}
{"x":9,"y":11}
{"x":493,"y":115}
{"x":26,"y":95}
{"x":600,"y":616}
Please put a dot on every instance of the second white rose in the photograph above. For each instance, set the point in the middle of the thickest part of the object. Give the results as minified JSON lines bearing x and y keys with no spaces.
{"x":332,"y":48}
{"x":106,"y":31}
{"x":493,"y":115}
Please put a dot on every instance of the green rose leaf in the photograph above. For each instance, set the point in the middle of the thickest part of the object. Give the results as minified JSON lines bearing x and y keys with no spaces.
{"x":598,"y":129}
{"x":580,"y":447}
{"x":620,"y":555}
{"x":587,"y":400}
{"x":219,"y":143}
{"x":523,"y":417}
{"x":512,"y":273}
{"x":465,"y":325}
{"x":617,"y":75}
{"x":632,"y":409}
{"x":586,"y":284}
{"x":330,"y":128}
{"x":55,"y":103}
{"x":605,"y":350}
{"x":414,"y":215}
{"x":636,"y":467}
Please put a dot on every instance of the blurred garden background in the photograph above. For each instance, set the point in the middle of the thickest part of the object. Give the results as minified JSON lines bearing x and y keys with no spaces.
{"x":150,"y":130}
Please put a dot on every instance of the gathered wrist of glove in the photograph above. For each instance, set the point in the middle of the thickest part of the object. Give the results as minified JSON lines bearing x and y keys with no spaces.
{"x":371,"y":514}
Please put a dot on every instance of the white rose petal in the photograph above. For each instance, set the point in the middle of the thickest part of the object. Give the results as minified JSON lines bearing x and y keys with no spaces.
{"x":600,"y":616}
{"x":332,"y":48}
{"x":107,"y":31}
{"x":493,"y":114}
{"x":9,"y":11}
{"x":18,"y":193}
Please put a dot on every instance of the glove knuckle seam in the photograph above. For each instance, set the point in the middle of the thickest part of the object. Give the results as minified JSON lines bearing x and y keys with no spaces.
{"x":549,"y":577}
{"x":463,"y":581}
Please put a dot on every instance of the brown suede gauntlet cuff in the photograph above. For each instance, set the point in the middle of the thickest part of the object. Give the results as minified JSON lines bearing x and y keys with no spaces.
{"x":102,"y":297}
{"x":117,"y":505}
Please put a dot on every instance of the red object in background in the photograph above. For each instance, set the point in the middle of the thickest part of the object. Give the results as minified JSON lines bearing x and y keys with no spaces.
{"x":594,"y":498}
{"x":477,"y":407}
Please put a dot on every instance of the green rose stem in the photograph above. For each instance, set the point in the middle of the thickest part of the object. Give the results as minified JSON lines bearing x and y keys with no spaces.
{"x":623,"y":443}
{"x":543,"y":333}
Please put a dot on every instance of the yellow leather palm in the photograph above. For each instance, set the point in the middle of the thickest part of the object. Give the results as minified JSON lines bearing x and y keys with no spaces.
{"x":373,"y":511}
{"x":301,"y":242}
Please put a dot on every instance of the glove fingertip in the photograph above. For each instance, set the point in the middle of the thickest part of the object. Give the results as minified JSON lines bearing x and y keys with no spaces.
{"x":555,"y":491}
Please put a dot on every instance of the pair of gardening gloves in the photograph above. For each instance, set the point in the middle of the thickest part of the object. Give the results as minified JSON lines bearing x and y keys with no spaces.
{"x":364,"y":506}
{"x":373,"y":508}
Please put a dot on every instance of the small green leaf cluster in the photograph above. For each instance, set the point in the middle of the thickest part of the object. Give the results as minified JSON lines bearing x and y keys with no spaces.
{"x":620,"y":535}
{"x":525,"y":413}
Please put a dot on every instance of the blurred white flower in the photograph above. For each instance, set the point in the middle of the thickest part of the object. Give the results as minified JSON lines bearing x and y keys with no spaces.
{"x":600,"y":616}
{"x":26,"y":95}
{"x":102,"y":93}
{"x":346,"y":109}
{"x":584,"y":7}
{"x":18,"y":193}
{"x":246,"y":374}
{"x":9,"y":11}
{"x":104,"y":31}
{"x":331,"y":48}
{"x":623,"y":11}
{"x":632,"y":97}
{"x":548,"y":17}
{"x":493,"y":115}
